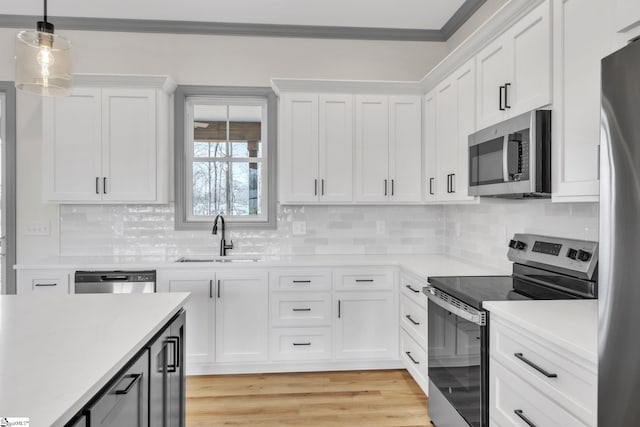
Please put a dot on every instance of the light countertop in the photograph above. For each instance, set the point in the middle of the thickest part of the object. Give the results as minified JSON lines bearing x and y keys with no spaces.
{"x":57,"y":352}
{"x":571,"y":324}
{"x":422,"y":265}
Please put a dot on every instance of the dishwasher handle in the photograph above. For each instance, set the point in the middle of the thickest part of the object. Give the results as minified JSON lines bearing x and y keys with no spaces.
{"x":114,"y":278}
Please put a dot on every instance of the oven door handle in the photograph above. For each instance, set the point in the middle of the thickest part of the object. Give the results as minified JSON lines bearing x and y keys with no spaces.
{"x":473,"y":315}
{"x":505,"y":158}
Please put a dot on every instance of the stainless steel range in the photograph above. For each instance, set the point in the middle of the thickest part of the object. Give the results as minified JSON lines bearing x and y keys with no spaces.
{"x":458,"y":345}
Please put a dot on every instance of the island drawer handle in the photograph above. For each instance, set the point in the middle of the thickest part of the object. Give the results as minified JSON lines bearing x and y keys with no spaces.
{"x":46,"y":284}
{"x":134,"y":379}
{"x":408,"y":316}
{"x":534,"y":366}
{"x":301,"y":309}
{"x":408,"y":353}
{"x":520,"y":413}
{"x":412,"y":290}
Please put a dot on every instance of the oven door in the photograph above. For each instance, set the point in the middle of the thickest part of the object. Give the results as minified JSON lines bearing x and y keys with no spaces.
{"x":458,"y":365}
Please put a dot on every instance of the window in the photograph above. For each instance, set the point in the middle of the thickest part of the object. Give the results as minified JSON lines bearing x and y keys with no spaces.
{"x":224,"y":157}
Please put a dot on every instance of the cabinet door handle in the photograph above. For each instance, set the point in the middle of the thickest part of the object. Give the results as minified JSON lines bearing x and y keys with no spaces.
{"x":134,"y":379}
{"x":301,"y":343}
{"x":339,"y":311}
{"x":431,"y":186}
{"x":520,"y":414}
{"x":453,"y":177}
{"x":393,"y":184}
{"x":174,"y":341}
{"x":364,"y":280}
{"x":302,"y":281}
{"x":104,"y":185}
{"x":46,"y":284}
{"x":449,"y":183}
{"x":412,"y":290}
{"x":322,"y":186}
{"x":385,"y":187}
{"x":301,"y":309}
{"x":501,"y":97}
{"x":408,"y":316}
{"x":211,"y":288}
{"x":534,"y":366}
{"x":315,"y":187}
{"x":219,"y":288}
{"x":97,"y":185}
{"x":506,"y":95}
{"x":408,"y":353}
{"x":598,"y":157}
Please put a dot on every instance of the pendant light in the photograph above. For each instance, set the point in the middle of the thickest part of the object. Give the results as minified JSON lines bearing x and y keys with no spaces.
{"x":43,"y":60}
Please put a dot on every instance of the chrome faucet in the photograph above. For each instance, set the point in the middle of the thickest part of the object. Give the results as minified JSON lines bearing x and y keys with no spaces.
{"x":223,"y":243}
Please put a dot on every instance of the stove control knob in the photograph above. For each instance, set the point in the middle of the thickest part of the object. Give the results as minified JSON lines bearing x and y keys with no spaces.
{"x":584,"y":255}
{"x":572,"y":253}
{"x":517,"y":244}
{"x":512,"y":244}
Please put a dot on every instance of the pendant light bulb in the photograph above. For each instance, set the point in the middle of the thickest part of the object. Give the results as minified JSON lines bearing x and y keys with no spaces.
{"x":43,"y":60}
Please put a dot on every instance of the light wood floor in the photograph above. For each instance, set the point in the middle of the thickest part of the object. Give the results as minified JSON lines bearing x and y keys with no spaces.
{"x":334,"y":399}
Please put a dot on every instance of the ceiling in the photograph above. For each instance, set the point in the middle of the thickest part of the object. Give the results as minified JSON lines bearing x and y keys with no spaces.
{"x":429,"y":16}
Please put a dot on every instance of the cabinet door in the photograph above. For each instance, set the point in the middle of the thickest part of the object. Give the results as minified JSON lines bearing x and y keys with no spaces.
{"x":242,"y":317}
{"x":200,"y":312}
{"x":299,"y":148}
{"x":71,"y":149}
{"x":429,"y":126}
{"x":495,"y":69}
{"x":465,"y":81}
{"x":580,"y":42}
{"x":129,"y":145}
{"x":36,"y":282}
{"x":405,"y":149}
{"x":336,"y":148}
{"x":366,"y":325}
{"x":627,"y":15}
{"x":531,"y":81}
{"x":372,"y":148}
{"x":447,"y":137}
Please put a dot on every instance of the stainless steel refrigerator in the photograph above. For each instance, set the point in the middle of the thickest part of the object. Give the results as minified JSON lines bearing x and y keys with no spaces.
{"x":619,"y":268}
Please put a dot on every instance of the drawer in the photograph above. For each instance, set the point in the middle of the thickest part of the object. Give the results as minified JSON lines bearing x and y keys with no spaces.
{"x":300,"y":280}
{"x":364,"y":279}
{"x":41,"y":282}
{"x":574,"y":383}
{"x":300,"y":309}
{"x":511,"y":400}
{"x":411,"y":287}
{"x":301,"y":343}
{"x":414,"y":357}
{"x":413,"y":319}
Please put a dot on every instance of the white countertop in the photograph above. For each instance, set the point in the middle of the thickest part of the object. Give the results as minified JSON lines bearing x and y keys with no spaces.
{"x":422,"y":265}
{"x":571,"y":324}
{"x":57,"y":352}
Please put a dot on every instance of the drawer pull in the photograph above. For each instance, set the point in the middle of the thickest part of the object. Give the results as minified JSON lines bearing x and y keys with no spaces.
{"x":534,"y":366}
{"x":415,"y":291}
{"x":410,"y":319}
{"x":520,"y":414}
{"x":301,"y":343}
{"x":302,"y":281}
{"x":364,"y":280}
{"x":408,"y":353}
{"x":134,"y":379}
{"x":46,"y":284}
{"x":301,"y":309}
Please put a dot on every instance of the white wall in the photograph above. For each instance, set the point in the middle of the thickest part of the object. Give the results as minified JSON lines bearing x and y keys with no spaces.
{"x":193,"y":59}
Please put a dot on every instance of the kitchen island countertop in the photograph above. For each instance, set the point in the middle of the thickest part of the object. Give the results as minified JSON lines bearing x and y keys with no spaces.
{"x":57,"y":352}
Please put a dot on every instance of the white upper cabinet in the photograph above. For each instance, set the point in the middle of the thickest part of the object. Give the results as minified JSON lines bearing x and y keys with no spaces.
{"x":429,"y":132}
{"x":582,"y":39}
{"x":388,"y":149}
{"x":107,"y":144}
{"x":627,"y":15}
{"x":316,"y":151}
{"x":514,"y":71}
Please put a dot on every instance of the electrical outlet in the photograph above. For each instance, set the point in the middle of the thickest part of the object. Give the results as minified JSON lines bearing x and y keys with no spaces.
{"x":380,"y":227}
{"x":37,"y":228}
{"x":299,"y":228}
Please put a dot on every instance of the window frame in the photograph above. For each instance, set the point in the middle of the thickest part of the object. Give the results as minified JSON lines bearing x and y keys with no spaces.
{"x":184,"y":98}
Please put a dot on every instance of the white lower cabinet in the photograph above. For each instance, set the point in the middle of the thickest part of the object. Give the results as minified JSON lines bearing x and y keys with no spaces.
{"x":32,"y":282}
{"x":298,"y":344}
{"x":414,"y":328}
{"x":533,"y":380}
{"x":242,"y":317}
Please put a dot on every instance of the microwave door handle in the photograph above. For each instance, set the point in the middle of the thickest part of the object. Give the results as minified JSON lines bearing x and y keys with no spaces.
{"x":505,"y":158}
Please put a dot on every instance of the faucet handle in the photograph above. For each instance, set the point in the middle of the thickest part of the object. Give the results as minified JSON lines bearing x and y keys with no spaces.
{"x":229,"y":246}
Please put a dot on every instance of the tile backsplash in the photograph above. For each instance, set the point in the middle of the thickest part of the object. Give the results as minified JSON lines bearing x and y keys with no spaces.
{"x":478,"y":232}
{"x":148,"y":230}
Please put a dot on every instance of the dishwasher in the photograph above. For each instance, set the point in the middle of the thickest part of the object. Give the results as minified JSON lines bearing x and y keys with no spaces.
{"x":115,"y":282}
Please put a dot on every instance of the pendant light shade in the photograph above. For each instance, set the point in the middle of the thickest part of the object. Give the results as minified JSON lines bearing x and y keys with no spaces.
{"x":43,"y":60}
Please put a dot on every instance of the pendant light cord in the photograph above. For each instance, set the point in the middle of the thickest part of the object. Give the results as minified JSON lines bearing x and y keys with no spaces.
{"x":45,"y":11}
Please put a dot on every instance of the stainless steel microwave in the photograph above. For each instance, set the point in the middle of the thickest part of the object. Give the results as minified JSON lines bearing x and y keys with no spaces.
{"x":513,"y":158}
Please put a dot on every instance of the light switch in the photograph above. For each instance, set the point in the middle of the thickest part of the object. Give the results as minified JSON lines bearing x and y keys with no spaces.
{"x":37,"y":228}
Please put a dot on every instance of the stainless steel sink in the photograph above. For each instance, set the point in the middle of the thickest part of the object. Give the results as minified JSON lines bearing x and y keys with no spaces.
{"x":221,"y":260}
